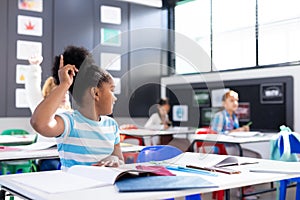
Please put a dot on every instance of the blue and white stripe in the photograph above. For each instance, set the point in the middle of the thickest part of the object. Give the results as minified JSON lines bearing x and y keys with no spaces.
{"x":84,"y":141}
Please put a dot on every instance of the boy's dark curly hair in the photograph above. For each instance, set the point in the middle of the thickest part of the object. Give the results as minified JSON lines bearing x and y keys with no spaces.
{"x":72,"y":55}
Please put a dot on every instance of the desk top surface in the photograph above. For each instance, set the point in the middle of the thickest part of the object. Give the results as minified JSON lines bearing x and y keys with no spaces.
{"x":148,"y":132}
{"x":231,"y":139}
{"x":224,"y":181}
{"x":28,"y":152}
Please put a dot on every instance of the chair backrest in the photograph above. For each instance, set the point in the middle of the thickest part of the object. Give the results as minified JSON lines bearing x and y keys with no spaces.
{"x":14,"y":132}
{"x":158,"y":153}
{"x":207,"y":145}
{"x":17,"y":132}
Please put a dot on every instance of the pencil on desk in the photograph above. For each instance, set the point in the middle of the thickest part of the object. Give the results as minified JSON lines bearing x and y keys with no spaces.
{"x":215,"y":169}
{"x":190,"y":170}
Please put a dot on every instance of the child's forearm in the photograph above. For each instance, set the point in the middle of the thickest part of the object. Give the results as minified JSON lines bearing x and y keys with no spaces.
{"x":43,"y":117}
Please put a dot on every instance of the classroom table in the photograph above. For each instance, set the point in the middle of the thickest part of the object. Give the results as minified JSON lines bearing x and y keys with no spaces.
{"x":48,"y":153}
{"x":12,"y":184}
{"x":17,"y":139}
{"x":166,"y":135}
{"x":226,"y":139}
{"x":150,"y":132}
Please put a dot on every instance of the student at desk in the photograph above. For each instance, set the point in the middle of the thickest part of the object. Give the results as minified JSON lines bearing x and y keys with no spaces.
{"x":226,"y":121}
{"x":160,"y":121}
{"x":73,"y":55}
{"x":85,"y":136}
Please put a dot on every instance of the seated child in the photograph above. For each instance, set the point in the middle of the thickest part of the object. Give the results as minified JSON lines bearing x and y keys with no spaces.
{"x":85,"y":136}
{"x":226,"y":121}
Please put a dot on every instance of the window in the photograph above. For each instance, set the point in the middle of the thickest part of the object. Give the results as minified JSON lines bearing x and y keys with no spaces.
{"x":197,"y":13}
{"x":279,"y":30}
{"x":239,"y":34}
{"x":233,"y":34}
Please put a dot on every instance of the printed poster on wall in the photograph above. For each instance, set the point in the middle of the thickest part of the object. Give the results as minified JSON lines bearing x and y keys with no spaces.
{"x":216,"y":97}
{"x":30,"y":25}
{"x":110,"y":14}
{"x":180,"y":113}
{"x":243,"y":112}
{"x":110,"y":37}
{"x":117,"y":85}
{"x":26,"y":49}
{"x":21,"y":99}
{"x":111,"y":61}
{"x":31,"y":5}
{"x":20,"y":73}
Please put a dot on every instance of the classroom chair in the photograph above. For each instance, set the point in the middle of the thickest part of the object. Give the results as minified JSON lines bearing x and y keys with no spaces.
{"x":130,"y":157}
{"x":205,"y":147}
{"x":14,"y":167}
{"x":288,"y":145}
{"x":130,"y":139}
{"x":159,"y":153}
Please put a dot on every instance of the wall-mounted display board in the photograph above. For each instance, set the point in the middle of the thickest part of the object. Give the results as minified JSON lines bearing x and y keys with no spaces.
{"x":266,"y":115}
{"x":272,"y":93}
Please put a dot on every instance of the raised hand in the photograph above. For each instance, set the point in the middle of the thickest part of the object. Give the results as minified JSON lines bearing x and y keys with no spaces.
{"x":66,"y":73}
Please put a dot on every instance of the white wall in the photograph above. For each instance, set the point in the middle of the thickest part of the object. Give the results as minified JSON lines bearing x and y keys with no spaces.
{"x":16,"y":123}
{"x":240,"y":75}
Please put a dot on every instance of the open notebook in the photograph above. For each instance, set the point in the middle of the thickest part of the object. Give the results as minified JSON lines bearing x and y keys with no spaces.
{"x":85,"y":177}
{"x":245,"y":134}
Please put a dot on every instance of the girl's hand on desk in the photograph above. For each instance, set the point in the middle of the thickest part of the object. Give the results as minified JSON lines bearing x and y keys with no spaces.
{"x":246,"y":128}
{"x":110,"y":161}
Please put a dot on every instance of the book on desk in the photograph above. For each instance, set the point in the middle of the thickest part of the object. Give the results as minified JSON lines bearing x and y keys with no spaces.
{"x":125,"y":179}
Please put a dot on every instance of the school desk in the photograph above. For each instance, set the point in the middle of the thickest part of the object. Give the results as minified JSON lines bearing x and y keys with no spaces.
{"x":11,"y":183}
{"x":166,"y":135}
{"x":226,"y":139}
{"x":48,"y":153}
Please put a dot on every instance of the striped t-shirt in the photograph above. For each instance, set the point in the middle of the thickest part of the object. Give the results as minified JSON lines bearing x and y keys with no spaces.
{"x":222,"y":123}
{"x":84,"y":141}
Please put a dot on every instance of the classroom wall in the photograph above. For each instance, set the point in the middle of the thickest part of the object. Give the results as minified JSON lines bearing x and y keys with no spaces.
{"x":77,"y":22}
{"x":3,"y":56}
{"x":240,"y":75}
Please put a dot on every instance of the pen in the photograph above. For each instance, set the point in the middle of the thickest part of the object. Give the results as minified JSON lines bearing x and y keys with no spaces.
{"x":237,"y":164}
{"x":190,"y":170}
{"x":249,"y":123}
{"x":215,"y":169}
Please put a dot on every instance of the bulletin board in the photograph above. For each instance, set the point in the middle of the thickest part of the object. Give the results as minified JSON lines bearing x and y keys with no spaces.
{"x":267,"y":114}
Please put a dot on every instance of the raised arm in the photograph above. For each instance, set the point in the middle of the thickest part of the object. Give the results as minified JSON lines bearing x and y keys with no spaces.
{"x":43,"y":119}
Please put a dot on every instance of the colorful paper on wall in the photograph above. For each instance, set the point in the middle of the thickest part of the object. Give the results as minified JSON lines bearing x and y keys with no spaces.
{"x":20,"y":74}
{"x":30,"y":25}
{"x":31,"y":5}
{"x":111,"y":61}
{"x":110,"y":14}
{"x":110,"y":37}
{"x":25,"y":49}
{"x":21,"y":100}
